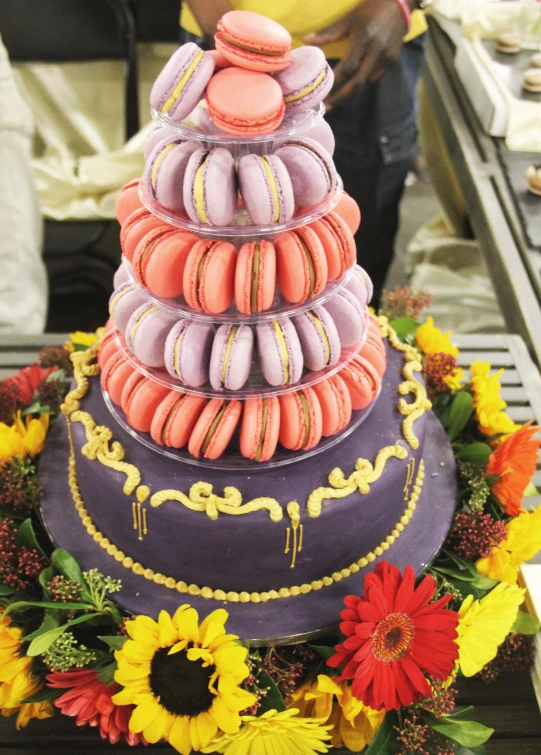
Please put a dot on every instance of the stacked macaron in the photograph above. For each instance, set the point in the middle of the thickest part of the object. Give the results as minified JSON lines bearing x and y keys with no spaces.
{"x":249,"y":82}
{"x":297,"y":420}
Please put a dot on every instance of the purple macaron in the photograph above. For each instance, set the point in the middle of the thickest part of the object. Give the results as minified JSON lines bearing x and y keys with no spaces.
{"x":146,"y":333}
{"x":182,"y":82}
{"x":164,"y":172}
{"x":122,"y":275}
{"x":360,"y":285}
{"x":319,"y":338}
{"x":322,"y":133}
{"x":157,"y":135}
{"x":187,"y":352}
{"x":124,"y":300}
{"x":306,"y":81}
{"x":231,"y":357}
{"x":348,"y":315}
{"x":279,"y":350}
{"x":266,"y":189}
{"x":210,"y":187}
{"x":310,"y":168}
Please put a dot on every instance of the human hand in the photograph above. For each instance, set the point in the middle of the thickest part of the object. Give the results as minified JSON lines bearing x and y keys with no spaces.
{"x":375,"y":30}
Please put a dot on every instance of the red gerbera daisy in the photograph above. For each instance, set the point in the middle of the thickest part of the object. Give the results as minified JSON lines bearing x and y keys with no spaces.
{"x":393,"y":637}
{"x":89,"y":701}
{"x":27,"y":380}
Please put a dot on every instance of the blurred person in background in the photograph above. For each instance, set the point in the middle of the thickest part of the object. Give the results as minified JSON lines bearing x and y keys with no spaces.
{"x":23,"y":280}
{"x":372,"y":107}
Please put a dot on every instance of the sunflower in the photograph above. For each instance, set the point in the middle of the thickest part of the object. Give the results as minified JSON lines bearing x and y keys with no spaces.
{"x":431,"y":340}
{"x":182,"y":678}
{"x":354,"y":724}
{"x":80,"y":341}
{"x":274,"y":733}
{"x":513,"y":462}
{"x":484,"y":624}
{"x":22,"y":439}
{"x":394,"y":635}
{"x":488,"y":403}
{"x":522,"y":543}
{"x":16,"y":681}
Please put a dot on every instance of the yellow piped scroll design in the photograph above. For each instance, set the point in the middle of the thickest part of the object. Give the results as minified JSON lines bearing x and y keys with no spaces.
{"x":364,"y":475}
{"x":297,"y":528}
{"x":202,"y":498}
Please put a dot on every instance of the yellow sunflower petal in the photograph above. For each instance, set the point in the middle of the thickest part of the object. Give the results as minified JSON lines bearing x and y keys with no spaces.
{"x":218,"y":617}
{"x":206,"y":728}
{"x":223,"y":717}
{"x":168,"y":633}
{"x":187,"y":625}
{"x":143,"y":714}
{"x":229,"y":658}
{"x":157,"y":727}
{"x":179,"y":736}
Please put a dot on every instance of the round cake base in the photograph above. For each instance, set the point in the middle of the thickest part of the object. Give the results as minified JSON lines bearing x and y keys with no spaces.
{"x":285,"y":621}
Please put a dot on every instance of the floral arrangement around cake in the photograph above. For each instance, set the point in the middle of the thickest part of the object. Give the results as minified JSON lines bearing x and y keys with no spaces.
{"x":383,"y":685}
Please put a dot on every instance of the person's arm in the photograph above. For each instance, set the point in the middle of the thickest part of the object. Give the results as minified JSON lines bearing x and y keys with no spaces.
{"x":375,"y":30}
{"x":207,"y":13}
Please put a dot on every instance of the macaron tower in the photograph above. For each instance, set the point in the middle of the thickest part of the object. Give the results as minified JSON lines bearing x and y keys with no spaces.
{"x":239,"y":293}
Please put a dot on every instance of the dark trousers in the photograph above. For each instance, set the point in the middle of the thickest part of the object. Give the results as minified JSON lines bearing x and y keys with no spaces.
{"x":375,"y":133}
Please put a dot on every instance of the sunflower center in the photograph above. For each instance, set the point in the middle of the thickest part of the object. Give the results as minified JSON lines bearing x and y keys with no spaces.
{"x":392,"y":637}
{"x":181,"y":685}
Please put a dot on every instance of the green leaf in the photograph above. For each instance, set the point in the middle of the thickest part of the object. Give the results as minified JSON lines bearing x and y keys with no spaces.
{"x":384,"y":743}
{"x":5,"y":590}
{"x":44,"y":641}
{"x":8,"y":512}
{"x":80,"y":347}
{"x":50,"y":621}
{"x":68,"y":567}
{"x":530,"y":490}
{"x":106,"y":674}
{"x":115,"y":641}
{"x":47,"y":693}
{"x":479,"y":750}
{"x":459,"y":729}
{"x":273,"y":700}
{"x":461,"y":412}
{"x":324,"y":651}
{"x":476,"y":453}
{"x":525,"y":624}
{"x":404,"y":327}
{"x":47,"y":604}
{"x":27,"y":536}
{"x":45,"y":577}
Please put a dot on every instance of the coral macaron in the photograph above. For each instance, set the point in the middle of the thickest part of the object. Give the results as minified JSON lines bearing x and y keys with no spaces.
{"x":244,"y":103}
{"x":137,"y":225}
{"x":335,"y":401}
{"x":374,"y":348}
{"x":140,"y":399}
{"x":307,"y":81}
{"x":260,"y":428}
{"x":301,"y":421}
{"x":362,"y":380}
{"x":266,"y":189}
{"x":253,"y":41}
{"x":231,"y":357}
{"x":210,"y":187}
{"x":159,"y":261}
{"x":311,"y":170}
{"x":187,"y":352}
{"x":279,"y":351}
{"x":338,"y":243}
{"x":348,"y":209}
{"x":255,"y":277}
{"x":182,"y":82}
{"x":214,"y":428}
{"x":165,"y":168}
{"x":114,"y":376}
{"x":209,"y":276}
{"x":175,"y":418}
{"x":127,"y":201}
{"x":301,"y":264}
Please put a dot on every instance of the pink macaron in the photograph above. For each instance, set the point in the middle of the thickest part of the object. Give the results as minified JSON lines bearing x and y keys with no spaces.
{"x":159,"y":261}
{"x":210,"y":187}
{"x":123,"y":303}
{"x":260,"y":428}
{"x":214,"y":428}
{"x":301,"y":421}
{"x":146,"y":333}
{"x":244,"y":103}
{"x":175,"y":418}
{"x":360,"y":285}
{"x":182,"y":82}
{"x":140,"y":399}
{"x":335,"y":401}
{"x":310,"y":168}
{"x":301,"y":264}
{"x":137,"y":225}
{"x":165,"y":168}
{"x":279,"y":351}
{"x":253,"y":41}
{"x":266,"y":189}
{"x":319,"y":338}
{"x":127,"y":201}
{"x":231,"y":357}
{"x":209,"y":276}
{"x":362,"y":380}
{"x":187,"y":352}
{"x":307,"y":81}
{"x":255,"y":277}
{"x":348,"y":315}
{"x":338,"y":243}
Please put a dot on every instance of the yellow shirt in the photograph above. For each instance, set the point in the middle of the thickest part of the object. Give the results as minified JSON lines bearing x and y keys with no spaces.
{"x":301,"y":17}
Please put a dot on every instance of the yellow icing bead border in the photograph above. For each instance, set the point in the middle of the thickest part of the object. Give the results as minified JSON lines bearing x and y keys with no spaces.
{"x":233,"y":597}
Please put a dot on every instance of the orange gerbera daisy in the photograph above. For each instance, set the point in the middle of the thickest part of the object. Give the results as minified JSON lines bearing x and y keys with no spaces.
{"x":514,"y":462}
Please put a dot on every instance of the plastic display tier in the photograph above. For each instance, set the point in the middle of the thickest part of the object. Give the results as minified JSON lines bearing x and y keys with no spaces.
{"x":280,"y":307}
{"x":256,"y":385}
{"x":232,"y":459}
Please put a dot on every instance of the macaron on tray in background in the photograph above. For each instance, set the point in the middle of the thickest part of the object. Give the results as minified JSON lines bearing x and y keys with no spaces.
{"x":249,"y":84}
{"x":218,"y":358}
{"x":257,"y":432}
